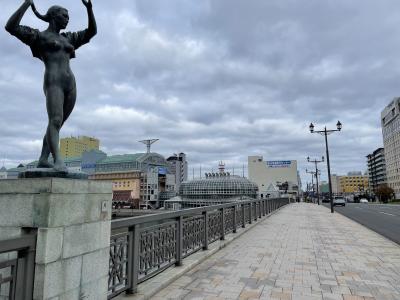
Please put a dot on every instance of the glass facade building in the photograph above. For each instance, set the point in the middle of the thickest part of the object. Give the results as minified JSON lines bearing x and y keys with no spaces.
{"x":218,"y":186}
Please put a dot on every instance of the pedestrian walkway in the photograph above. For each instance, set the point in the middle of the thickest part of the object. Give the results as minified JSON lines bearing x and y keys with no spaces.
{"x":301,"y":252}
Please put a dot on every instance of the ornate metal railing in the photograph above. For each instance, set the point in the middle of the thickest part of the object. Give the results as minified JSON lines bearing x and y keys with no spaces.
{"x":141,"y":247}
{"x":17,"y":267}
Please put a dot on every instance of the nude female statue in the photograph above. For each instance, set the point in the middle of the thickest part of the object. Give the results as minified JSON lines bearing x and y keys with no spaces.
{"x":55,"y":49}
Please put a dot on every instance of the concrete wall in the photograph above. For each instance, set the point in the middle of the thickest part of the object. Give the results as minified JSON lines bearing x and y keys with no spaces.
{"x":73,"y":220}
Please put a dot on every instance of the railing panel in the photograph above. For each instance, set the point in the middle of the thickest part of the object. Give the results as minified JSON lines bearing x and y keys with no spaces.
{"x":239,"y":216}
{"x":247,"y":213}
{"x":8,"y":279}
{"x":17,"y":262}
{"x":228,"y":220}
{"x":193,"y":234}
{"x":214,"y":226}
{"x":118,"y":280}
{"x":157,"y":249}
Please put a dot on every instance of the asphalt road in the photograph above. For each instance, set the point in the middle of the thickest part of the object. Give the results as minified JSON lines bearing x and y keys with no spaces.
{"x":383,"y":219}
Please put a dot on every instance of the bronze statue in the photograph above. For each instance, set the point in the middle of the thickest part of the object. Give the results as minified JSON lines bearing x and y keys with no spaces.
{"x":55,"y":49}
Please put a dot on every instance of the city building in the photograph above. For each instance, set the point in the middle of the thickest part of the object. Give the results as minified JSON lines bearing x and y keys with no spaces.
{"x":90,"y":159}
{"x":75,"y":146}
{"x":390,"y":121}
{"x":3,"y":173}
{"x":179,"y":167}
{"x":125,"y":185}
{"x":376,"y":169}
{"x":353,"y":183}
{"x":272,"y":177}
{"x":139,"y":180}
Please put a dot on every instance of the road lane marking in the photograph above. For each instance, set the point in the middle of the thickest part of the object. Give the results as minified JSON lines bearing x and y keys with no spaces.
{"x":387,"y":213}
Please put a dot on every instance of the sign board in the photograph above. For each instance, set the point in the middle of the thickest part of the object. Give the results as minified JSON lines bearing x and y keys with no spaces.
{"x":162,"y":171}
{"x":279,"y":164}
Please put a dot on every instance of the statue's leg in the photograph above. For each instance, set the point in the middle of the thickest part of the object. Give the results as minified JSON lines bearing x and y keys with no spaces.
{"x":69,"y":103}
{"x":55,"y":103}
{"x":44,"y":156}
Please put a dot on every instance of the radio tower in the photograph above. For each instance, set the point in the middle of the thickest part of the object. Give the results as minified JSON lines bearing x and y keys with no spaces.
{"x":221,"y":167}
{"x":148,"y":143}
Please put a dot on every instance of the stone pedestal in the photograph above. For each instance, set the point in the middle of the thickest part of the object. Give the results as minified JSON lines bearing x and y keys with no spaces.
{"x":73,"y":222}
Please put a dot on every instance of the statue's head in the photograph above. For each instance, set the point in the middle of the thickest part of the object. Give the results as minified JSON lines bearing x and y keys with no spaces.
{"x":58,"y":15}
{"x":55,"y":14}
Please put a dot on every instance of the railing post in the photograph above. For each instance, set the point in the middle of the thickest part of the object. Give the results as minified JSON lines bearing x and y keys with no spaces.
{"x":250,"y":213}
{"x":257,"y":211}
{"x":179,"y":242}
{"x":134,"y":249}
{"x":222,"y":224}
{"x":234,"y":219}
{"x":260,"y":209}
{"x":205,"y":245}
{"x":243,"y":215}
{"x":263,"y":204}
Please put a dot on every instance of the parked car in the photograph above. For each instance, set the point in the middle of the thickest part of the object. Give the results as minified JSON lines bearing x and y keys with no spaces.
{"x":363,"y":200}
{"x":339,"y":201}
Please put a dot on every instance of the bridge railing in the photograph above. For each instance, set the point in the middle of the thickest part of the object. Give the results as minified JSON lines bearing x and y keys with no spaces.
{"x":17,"y":267}
{"x":141,"y":247}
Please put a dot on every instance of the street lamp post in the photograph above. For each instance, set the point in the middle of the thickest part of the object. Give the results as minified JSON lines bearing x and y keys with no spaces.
{"x":316,"y":162}
{"x":326,"y":132}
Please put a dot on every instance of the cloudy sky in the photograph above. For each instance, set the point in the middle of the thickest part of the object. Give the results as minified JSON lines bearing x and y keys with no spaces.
{"x":216,"y":79}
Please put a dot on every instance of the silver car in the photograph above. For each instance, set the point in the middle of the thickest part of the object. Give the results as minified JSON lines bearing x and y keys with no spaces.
{"x":339,"y":201}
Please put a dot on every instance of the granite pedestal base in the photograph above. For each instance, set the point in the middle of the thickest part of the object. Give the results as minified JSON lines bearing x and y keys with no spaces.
{"x":73,"y":221}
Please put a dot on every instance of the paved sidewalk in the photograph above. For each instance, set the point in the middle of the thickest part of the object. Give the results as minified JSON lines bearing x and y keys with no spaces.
{"x":301,"y":252}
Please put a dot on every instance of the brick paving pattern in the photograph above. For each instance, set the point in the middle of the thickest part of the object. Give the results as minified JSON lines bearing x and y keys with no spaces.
{"x":303,"y":252}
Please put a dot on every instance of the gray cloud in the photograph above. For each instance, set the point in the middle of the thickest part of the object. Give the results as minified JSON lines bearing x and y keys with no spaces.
{"x":219,"y":80}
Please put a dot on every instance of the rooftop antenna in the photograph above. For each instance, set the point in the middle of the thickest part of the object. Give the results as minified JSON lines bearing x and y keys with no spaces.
{"x":243,"y":171}
{"x":148,"y":143}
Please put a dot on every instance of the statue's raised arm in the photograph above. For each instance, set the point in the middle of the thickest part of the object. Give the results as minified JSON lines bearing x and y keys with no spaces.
{"x":23,"y":33}
{"x":80,"y":38}
{"x":92,"y":27}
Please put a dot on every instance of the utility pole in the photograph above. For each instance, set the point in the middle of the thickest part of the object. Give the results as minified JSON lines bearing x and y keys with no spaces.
{"x":316,"y":162}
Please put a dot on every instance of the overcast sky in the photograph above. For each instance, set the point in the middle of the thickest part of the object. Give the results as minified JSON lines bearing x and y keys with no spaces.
{"x":216,"y":79}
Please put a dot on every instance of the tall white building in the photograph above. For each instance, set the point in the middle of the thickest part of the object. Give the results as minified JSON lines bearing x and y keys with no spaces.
{"x":390,"y":120}
{"x":335,"y":181}
{"x":272,"y":175}
{"x":179,"y":167}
